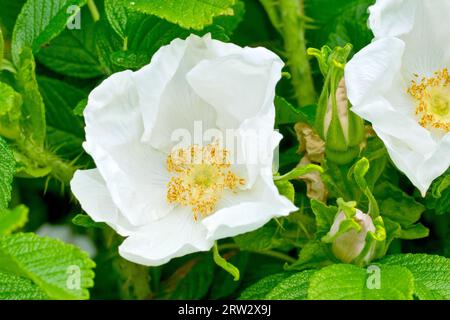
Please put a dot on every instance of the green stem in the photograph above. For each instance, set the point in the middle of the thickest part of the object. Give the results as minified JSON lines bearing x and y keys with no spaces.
{"x":269,"y":253}
{"x":94,"y":11}
{"x":41,"y":158}
{"x":293,"y":31}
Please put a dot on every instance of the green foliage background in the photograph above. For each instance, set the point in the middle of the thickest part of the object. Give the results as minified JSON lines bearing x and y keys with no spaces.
{"x":46,"y":74}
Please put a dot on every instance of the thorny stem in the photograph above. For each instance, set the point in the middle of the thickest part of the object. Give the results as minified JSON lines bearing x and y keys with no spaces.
{"x":289,"y":19}
{"x":292,"y":13}
{"x":59,"y":169}
{"x":269,"y":253}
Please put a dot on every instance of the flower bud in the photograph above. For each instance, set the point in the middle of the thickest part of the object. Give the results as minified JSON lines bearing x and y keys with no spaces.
{"x":341,"y":129}
{"x":348,"y":245}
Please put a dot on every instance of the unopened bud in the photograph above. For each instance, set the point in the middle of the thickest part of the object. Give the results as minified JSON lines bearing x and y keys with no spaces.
{"x":349,"y":241}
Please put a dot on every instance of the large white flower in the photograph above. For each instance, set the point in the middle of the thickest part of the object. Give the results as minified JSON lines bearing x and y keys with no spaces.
{"x":146,"y":186}
{"x":401,"y":84}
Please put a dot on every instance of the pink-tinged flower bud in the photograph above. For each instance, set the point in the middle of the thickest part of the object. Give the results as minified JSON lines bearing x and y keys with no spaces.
{"x":349,"y":236}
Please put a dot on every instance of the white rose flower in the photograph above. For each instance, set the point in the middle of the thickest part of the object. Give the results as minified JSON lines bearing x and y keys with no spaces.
{"x":146,"y":187}
{"x":401,"y":84}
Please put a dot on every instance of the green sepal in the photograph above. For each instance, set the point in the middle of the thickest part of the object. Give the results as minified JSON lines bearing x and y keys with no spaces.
{"x":224,"y":264}
{"x":358,"y":171}
{"x":375,"y":242}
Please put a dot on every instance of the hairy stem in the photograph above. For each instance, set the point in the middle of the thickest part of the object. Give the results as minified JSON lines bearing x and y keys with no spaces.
{"x":293,"y":27}
{"x":43,"y":159}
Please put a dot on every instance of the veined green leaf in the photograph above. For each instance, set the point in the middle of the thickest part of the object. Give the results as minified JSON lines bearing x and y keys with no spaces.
{"x":348,"y":282}
{"x":7,"y":168}
{"x":73,"y":52}
{"x":293,"y":288}
{"x":260,"y":289}
{"x":39,"y":22}
{"x":12,"y":219}
{"x":62,"y":271}
{"x":431,"y":274}
{"x":13,"y":287}
{"x":195,"y":14}
{"x":191,"y":280}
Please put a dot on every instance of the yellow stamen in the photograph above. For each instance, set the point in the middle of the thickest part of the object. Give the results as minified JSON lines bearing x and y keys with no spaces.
{"x":200,"y":177}
{"x":433,"y":100}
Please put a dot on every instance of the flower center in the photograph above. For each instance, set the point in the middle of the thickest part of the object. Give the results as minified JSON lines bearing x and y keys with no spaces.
{"x":433,"y":100}
{"x":200,"y":177}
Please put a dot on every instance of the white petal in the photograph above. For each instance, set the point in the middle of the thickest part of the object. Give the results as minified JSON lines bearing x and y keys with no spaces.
{"x":175,"y":235}
{"x":254,"y":148}
{"x":247,"y":210}
{"x":401,"y":126}
{"x":420,"y":168}
{"x":391,"y":18}
{"x":133,"y":171}
{"x":169,"y":106}
{"x":372,"y":70}
{"x":435,"y":165}
{"x":246,"y":88}
{"x":427,"y":45}
{"x":90,"y":189}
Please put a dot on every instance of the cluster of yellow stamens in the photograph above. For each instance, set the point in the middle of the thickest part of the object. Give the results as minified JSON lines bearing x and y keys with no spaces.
{"x":433,"y":98}
{"x":200,"y":177}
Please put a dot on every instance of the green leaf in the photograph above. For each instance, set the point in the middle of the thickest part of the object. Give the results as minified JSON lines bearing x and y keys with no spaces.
{"x":190,"y":281}
{"x":338,"y":22}
{"x":416,"y":231}
{"x":195,"y":14}
{"x":439,"y":197}
{"x":79,"y":109}
{"x":286,"y":188}
{"x":286,"y":113}
{"x":260,"y":289}
{"x":431,"y":274}
{"x":12,"y":219}
{"x":117,"y":15}
{"x":142,"y":35}
{"x":293,"y":288}
{"x":73,"y":52}
{"x":265,"y":238}
{"x":314,"y":254}
{"x":83,"y":220}
{"x":33,"y":109}
{"x":7,"y":168}
{"x":324,"y":217}
{"x":397,"y":205}
{"x":13,"y":287}
{"x":10,"y":111}
{"x":224,"y":264}
{"x":107,"y":42}
{"x":62,"y":271}
{"x":348,"y":282}
{"x":65,"y":131}
{"x":376,"y":153}
{"x":224,"y":26}
{"x":39,"y":22}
